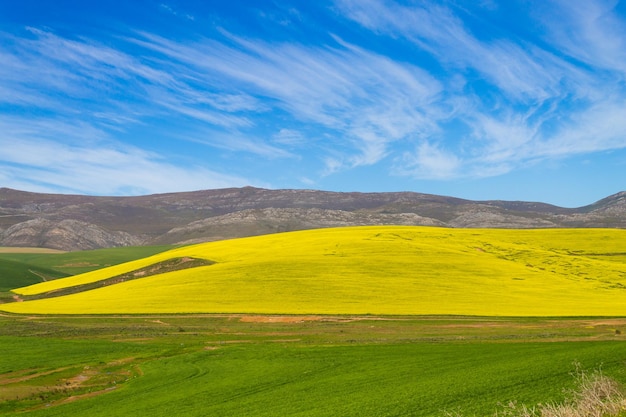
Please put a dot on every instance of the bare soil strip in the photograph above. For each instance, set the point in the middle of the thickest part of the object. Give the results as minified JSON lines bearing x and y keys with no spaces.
{"x":43,"y":277}
{"x":16,"y":377}
{"x":6,"y":249}
{"x":97,"y":379}
{"x":279,"y":319}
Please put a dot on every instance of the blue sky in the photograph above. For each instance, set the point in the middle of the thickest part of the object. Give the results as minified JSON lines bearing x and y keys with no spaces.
{"x":512,"y":100}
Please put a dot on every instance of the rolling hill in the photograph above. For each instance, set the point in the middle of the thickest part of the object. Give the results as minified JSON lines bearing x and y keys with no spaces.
{"x":78,"y":222}
{"x":393,"y":270}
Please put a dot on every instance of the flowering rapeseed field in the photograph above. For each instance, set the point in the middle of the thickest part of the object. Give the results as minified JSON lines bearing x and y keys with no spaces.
{"x":393,"y":270}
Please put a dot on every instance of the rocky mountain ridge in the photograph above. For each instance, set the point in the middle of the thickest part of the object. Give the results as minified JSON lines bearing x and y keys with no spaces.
{"x":78,"y":222}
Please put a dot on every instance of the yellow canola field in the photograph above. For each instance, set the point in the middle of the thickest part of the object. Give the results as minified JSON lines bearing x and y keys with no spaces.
{"x":371,"y":270}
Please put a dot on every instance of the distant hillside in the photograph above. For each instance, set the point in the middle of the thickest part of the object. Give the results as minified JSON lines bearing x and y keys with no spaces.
{"x":78,"y":222}
{"x":359,"y":270}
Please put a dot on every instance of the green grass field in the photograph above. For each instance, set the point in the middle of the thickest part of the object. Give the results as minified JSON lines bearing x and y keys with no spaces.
{"x":369,"y":270}
{"x":304,"y":366}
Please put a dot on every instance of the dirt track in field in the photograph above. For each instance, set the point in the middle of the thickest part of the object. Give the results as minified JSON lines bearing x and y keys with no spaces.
{"x":6,"y":249}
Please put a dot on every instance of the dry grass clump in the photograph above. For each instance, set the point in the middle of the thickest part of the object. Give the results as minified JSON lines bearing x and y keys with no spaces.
{"x":596,"y":396}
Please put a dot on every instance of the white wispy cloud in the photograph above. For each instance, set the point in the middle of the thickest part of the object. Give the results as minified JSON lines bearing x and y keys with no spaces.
{"x":83,"y":80}
{"x":599,"y":127}
{"x":589,"y":31}
{"x":83,"y":163}
{"x":238,"y":142}
{"x":363,"y":101}
{"x":290,"y":137}
{"x":518,"y":70}
{"x":367,"y":100}
{"x":538,"y":104}
{"x":429,"y":161}
{"x":176,"y":12}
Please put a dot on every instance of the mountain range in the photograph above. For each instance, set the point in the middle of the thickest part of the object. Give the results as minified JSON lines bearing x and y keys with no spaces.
{"x":81,"y":222}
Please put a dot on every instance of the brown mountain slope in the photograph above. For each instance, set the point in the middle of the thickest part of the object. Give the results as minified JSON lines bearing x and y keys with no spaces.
{"x":74,"y":222}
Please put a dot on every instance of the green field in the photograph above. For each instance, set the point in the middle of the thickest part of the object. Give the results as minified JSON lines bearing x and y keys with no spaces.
{"x":306,"y":366}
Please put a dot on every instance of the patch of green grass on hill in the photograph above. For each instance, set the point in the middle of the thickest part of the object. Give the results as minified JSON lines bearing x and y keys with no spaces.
{"x":78,"y":262}
{"x":14,"y":274}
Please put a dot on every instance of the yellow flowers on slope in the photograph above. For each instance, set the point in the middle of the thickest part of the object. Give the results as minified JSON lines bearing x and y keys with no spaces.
{"x":370,"y":270}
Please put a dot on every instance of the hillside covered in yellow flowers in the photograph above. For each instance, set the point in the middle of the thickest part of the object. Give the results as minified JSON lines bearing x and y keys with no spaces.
{"x":387,"y":270}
